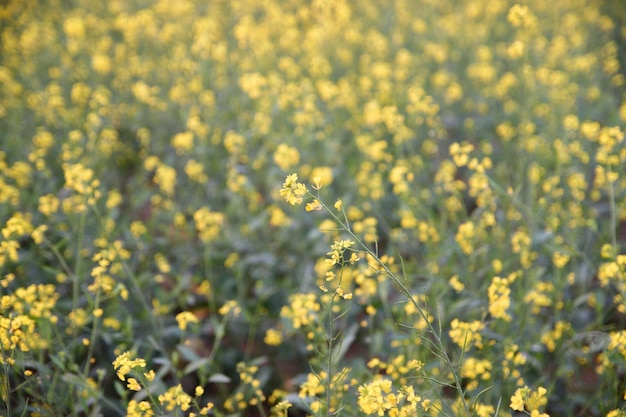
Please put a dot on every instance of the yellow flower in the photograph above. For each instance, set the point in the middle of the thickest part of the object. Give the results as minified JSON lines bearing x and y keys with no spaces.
{"x":175,"y":396}
{"x":375,"y":398}
{"x":517,"y":400}
{"x":184,"y":318}
{"x":317,"y":183}
{"x":286,"y":156}
{"x":466,"y":334}
{"x":48,"y":204}
{"x":228,"y":307}
{"x":293,"y":191}
{"x":124,"y":364}
{"x":520,"y":16}
{"x":133,"y":384}
{"x":273,"y":337}
{"x":321,"y":176}
{"x":195,"y":171}
{"x":205,"y":410}
{"x":165,"y":178}
{"x":314,"y":206}
{"x":140,"y":409}
{"x":182,"y":142}
{"x":38,"y":233}
{"x":283,"y":406}
{"x":526,"y":399}
{"x":208,"y":224}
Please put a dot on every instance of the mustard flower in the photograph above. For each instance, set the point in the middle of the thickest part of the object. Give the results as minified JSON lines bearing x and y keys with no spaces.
{"x":528,"y":400}
{"x":165,"y":178}
{"x":278,"y":217}
{"x":456,"y":284}
{"x":560,"y":260}
{"x":336,"y":255}
{"x":315,"y":205}
{"x":460,"y":153}
{"x":293,"y":191}
{"x":550,"y":337}
{"x":206,"y":409}
{"x":38,"y":233}
{"x":48,"y":204}
{"x":517,"y":400}
{"x":8,"y":250}
{"x":499,"y":298}
{"x":139,"y":409}
{"x":175,"y":396}
{"x":302,"y":310}
{"x":124,"y":364}
{"x":375,"y":398}
{"x":273,"y":337}
{"x":182,"y":142}
{"x":185,"y":318}
{"x":18,"y":225}
{"x":230,"y":306}
{"x":208,"y":224}
{"x":466,"y":334}
{"x":317,"y":183}
{"x":313,"y":385}
{"x":283,"y":406}
{"x":195,"y":172}
{"x":80,"y":179}
{"x":321,"y":176}
{"x":133,"y":384}
{"x":286,"y":156}
{"x":520,"y":16}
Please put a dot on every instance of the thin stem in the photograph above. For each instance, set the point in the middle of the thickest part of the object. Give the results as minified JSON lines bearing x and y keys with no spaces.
{"x":59,"y":257}
{"x":405,"y":291}
{"x":7,"y":382}
{"x":219,"y":334}
{"x":209,"y":273}
{"x":78,"y":260}
{"x":613,"y":209}
{"x":329,"y":354}
{"x":94,"y":332}
{"x":140,"y":295}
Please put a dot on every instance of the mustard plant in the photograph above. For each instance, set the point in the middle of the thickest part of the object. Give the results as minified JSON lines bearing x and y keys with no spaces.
{"x":296,"y":193}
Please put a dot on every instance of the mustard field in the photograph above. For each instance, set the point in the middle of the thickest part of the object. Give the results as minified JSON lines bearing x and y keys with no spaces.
{"x":288,"y":208}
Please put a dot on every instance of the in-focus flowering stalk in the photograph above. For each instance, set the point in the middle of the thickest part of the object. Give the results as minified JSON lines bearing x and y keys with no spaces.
{"x":295,"y":193}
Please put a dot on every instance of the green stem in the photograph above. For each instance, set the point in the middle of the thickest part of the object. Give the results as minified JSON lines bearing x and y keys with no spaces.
{"x":139,"y":293}
{"x":94,"y":332}
{"x":219,"y":334}
{"x":405,"y":291}
{"x":329,"y":353}
{"x":613,"y":212}
{"x":209,"y":272}
{"x":6,"y":382}
{"x":78,"y":261}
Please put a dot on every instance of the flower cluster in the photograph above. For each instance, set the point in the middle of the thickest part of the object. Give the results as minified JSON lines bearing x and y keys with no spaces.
{"x":530,"y":401}
{"x":293,"y":191}
{"x":378,"y":398}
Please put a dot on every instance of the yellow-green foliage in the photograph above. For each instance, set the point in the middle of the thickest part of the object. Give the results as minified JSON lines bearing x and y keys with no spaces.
{"x":288,"y":207}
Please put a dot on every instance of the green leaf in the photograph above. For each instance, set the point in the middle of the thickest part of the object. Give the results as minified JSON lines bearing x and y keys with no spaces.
{"x":219,"y":379}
